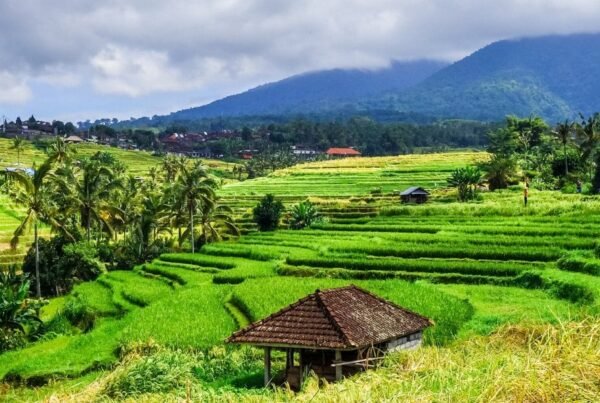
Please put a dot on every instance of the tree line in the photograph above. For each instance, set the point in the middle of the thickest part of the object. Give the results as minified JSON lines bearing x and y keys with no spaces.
{"x":529,"y":150}
{"x":101,"y":216}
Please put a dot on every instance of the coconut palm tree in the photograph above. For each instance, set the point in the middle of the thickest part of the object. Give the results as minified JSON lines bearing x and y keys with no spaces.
{"x":60,"y":152}
{"x":588,"y":133}
{"x":36,"y":194}
{"x":215,"y":220}
{"x":149,"y":221}
{"x":18,"y":144}
{"x":563,"y":133}
{"x":195,"y":189}
{"x":92,"y":187}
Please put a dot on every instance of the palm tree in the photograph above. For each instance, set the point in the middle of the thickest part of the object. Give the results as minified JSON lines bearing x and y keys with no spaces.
{"x":149,"y":221}
{"x":465,"y":180}
{"x":60,"y":152}
{"x":92,"y":189}
{"x":588,"y":133}
{"x":19,"y":145}
{"x":170,"y":167}
{"x":35,"y":193}
{"x":215,"y":220}
{"x":195,"y":189}
{"x":564,"y":132}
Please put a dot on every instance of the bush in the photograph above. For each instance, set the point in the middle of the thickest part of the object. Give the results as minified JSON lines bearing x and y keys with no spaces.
{"x":579,"y":261}
{"x":158,"y":373}
{"x":11,"y":339}
{"x":530,"y":280}
{"x":78,"y":312}
{"x":63,"y":264}
{"x":571,"y":292}
{"x":303,"y":215}
{"x":268,"y":213}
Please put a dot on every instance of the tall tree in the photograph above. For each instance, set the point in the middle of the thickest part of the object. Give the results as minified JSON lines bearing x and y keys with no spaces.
{"x":564,"y":134}
{"x":18,"y":144}
{"x":92,"y":186}
{"x":35,"y":193}
{"x":196,"y":191}
{"x":588,"y":134}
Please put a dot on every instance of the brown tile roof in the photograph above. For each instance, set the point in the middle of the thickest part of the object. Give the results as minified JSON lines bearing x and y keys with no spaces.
{"x":342,"y":151}
{"x":339,"y":318}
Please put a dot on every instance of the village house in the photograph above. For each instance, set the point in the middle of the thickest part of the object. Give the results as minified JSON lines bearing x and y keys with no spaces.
{"x":335,"y":333}
{"x":336,"y":152}
{"x":304,"y":152}
{"x":414,"y":194}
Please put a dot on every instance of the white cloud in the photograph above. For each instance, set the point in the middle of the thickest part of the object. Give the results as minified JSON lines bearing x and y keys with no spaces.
{"x":134,"y":72}
{"x":140,"y":47}
{"x":13,"y":89}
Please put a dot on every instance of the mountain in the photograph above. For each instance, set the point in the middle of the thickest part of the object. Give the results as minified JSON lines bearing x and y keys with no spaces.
{"x":316,"y":91}
{"x":553,"y":76}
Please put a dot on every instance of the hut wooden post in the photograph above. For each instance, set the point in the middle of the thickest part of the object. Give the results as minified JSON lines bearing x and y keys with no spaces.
{"x":267,"y":366}
{"x":338,"y":368}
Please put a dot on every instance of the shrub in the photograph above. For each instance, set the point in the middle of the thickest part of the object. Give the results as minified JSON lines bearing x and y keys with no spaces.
{"x":267,"y":213}
{"x":303,"y":215}
{"x":78,"y":312}
{"x":158,"y":373}
{"x":11,"y":339}
{"x":571,"y":292}
{"x":18,"y":314}
{"x":63,"y":264}
{"x":579,"y":261}
{"x":529,"y":279}
{"x":220,"y":362}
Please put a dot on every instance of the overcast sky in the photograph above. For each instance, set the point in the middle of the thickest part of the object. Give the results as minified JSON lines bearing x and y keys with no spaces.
{"x":79,"y":59}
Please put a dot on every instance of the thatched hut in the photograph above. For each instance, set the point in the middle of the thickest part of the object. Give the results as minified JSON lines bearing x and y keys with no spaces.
{"x":334,"y":333}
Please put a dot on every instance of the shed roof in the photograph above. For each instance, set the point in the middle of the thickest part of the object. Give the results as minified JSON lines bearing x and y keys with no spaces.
{"x":414,"y":190}
{"x":339,"y":318}
{"x":342,"y":151}
{"x":73,"y":139}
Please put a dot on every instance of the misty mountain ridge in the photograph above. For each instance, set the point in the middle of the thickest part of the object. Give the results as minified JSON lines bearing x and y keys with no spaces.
{"x":555,"y":77}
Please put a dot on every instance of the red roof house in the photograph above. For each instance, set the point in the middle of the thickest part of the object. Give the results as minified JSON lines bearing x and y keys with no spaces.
{"x":342,"y":152}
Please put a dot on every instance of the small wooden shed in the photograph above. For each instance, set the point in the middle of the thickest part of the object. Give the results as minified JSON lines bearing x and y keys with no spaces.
{"x":334,"y":333}
{"x":414,"y":194}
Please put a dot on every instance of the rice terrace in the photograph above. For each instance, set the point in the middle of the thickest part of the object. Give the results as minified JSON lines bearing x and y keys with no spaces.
{"x":309,"y":201}
{"x":487,"y":273}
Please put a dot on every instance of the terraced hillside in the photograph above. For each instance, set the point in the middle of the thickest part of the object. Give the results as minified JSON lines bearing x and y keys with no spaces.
{"x":138,"y":163}
{"x":471,"y":267}
{"x":347,"y":188}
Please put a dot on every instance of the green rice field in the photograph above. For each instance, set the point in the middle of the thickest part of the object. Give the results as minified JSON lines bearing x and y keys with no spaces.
{"x":473,"y":268}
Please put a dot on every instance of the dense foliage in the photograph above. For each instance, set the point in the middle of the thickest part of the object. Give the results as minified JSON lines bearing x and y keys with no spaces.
{"x":267,"y":213}
{"x":124,"y":219}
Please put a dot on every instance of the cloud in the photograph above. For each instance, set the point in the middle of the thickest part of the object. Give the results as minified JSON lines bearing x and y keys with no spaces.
{"x":135,"y":48}
{"x":134,"y":72}
{"x":13,"y":89}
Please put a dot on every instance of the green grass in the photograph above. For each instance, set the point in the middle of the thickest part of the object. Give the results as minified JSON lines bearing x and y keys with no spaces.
{"x":192,"y":318}
{"x":464,"y":265}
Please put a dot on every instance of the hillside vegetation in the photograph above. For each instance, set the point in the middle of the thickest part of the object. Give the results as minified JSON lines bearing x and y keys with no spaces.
{"x":550,"y":76}
{"x":510,"y":322}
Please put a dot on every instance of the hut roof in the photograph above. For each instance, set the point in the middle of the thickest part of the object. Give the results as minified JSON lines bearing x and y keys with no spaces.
{"x":339,"y":318}
{"x":342,"y":151}
{"x":74,"y":139}
{"x":413,"y":191}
